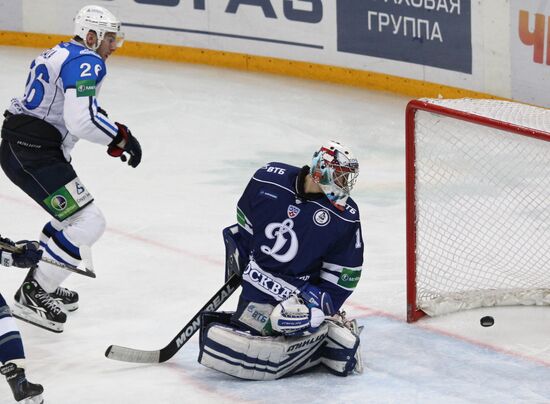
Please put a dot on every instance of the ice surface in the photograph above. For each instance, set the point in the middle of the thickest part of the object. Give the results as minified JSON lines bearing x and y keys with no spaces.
{"x":204,"y":131}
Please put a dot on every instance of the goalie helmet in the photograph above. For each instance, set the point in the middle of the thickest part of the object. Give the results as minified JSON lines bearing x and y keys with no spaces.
{"x":335,"y":169}
{"x":101,"y":21}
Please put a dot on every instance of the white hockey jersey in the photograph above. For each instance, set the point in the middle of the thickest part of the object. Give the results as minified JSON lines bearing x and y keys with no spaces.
{"x":62,"y":89}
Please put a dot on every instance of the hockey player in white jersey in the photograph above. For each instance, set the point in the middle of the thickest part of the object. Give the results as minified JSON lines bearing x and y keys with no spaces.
{"x":12,"y":354}
{"x":300,"y":252}
{"x":60,"y":107}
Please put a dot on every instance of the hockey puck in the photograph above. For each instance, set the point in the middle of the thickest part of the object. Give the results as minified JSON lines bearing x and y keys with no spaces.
{"x":487,"y":321}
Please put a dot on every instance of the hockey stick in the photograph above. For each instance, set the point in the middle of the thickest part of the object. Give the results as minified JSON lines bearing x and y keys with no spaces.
{"x":124,"y":354}
{"x":86,"y":271}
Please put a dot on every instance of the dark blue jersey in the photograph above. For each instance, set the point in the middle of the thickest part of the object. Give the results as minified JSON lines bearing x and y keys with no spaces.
{"x":294,"y":241}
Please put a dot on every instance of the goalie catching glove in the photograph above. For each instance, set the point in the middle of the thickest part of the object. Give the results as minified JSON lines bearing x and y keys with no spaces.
{"x":302,"y":313}
{"x":124,"y":141}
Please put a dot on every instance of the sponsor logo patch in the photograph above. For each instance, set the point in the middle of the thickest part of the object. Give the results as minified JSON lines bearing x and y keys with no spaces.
{"x":349,"y":278}
{"x":68,"y":199}
{"x":85,"y":88}
{"x":58,"y":202}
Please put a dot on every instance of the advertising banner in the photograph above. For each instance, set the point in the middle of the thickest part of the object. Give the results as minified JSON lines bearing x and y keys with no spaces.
{"x":428,"y":32}
{"x":458,"y":43}
{"x":530,"y":51}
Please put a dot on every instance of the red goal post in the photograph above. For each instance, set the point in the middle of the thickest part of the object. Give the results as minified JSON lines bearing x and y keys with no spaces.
{"x":478,"y":205}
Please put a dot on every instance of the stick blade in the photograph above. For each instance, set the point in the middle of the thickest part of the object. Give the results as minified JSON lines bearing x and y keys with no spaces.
{"x":120,"y":353}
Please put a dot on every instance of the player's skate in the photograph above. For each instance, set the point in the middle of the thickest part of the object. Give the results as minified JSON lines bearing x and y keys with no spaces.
{"x":66,"y":298}
{"x":23,"y":390}
{"x":34,"y":305}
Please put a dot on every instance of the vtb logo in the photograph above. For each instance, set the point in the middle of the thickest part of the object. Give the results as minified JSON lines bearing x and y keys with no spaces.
{"x":535,"y":37}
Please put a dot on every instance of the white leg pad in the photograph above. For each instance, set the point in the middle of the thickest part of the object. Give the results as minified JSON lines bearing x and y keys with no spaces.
{"x":245,"y":356}
{"x":341,"y":354}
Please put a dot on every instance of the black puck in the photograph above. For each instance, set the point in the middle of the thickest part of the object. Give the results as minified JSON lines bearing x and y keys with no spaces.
{"x":487,"y":321}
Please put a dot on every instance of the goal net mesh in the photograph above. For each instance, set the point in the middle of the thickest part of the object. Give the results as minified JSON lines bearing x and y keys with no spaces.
{"x":482,"y":201}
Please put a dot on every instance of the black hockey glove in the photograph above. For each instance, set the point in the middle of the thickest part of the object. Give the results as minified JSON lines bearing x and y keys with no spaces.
{"x":124,"y":141}
{"x":28,"y":254}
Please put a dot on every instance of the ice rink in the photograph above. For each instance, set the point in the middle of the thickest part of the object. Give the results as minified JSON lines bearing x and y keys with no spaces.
{"x":204,"y":131}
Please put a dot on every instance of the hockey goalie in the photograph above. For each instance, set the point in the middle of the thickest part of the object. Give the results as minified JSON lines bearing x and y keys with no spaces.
{"x":299,"y":251}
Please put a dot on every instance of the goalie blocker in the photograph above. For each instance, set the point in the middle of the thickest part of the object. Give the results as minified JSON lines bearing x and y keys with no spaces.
{"x":335,"y":344}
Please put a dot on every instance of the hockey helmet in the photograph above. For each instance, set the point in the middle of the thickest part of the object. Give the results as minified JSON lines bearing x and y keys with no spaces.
{"x":335,"y":169}
{"x":101,"y":21}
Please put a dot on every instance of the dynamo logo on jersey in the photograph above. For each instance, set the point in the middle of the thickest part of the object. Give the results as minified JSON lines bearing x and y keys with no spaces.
{"x":278,"y":231}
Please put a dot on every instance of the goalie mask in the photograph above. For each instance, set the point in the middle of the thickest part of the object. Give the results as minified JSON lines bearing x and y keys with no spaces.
{"x":101,"y":21}
{"x":335,"y":169}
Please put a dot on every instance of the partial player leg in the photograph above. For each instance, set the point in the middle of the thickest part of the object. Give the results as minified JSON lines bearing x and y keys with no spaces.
{"x":83,"y":228}
{"x":51,"y":181}
{"x":21,"y":388}
{"x":238,"y":353}
{"x":12,"y":356}
{"x":67,"y":298}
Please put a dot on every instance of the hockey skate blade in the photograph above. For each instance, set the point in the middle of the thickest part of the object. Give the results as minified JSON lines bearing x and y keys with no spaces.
{"x":120,"y":353}
{"x":67,"y":308}
{"x":23,"y":313}
{"x":33,"y":400}
{"x":70,"y":307}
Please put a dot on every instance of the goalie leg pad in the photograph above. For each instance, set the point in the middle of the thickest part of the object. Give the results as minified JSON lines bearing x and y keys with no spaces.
{"x":341,"y":354}
{"x":240,"y":354}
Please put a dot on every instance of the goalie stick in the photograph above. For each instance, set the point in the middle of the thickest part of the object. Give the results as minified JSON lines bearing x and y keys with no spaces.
{"x":124,"y":354}
{"x":85,"y":271}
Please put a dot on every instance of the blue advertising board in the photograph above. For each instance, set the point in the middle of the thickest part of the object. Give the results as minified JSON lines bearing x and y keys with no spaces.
{"x":428,"y":32}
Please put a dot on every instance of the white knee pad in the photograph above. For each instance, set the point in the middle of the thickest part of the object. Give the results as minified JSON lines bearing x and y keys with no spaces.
{"x":69,"y":245}
{"x":239,"y":354}
{"x":85,"y":227}
{"x":342,"y":352}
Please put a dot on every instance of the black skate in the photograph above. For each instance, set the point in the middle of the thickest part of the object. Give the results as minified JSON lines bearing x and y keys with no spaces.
{"x":21,"y":388}
{"x":66,"y":298}
{"x":34,"y":305}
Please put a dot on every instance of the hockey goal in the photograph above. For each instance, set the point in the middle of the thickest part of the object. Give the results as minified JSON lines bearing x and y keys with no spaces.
{"x":478,"y":205}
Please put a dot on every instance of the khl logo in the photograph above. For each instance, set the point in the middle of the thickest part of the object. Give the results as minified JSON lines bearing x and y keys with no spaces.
{"x":278,"y":231}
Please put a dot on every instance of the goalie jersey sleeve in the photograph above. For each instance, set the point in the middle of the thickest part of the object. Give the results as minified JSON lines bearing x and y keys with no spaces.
{"x":293,"y":241}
